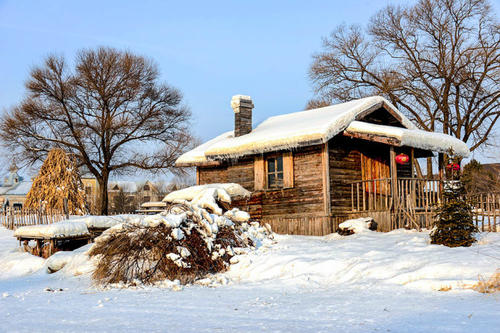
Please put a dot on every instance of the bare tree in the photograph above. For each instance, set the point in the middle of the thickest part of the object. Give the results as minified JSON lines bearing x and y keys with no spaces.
{"x":110,"y":111}
{"x":438,"y":61}
{"x":317,"y":103}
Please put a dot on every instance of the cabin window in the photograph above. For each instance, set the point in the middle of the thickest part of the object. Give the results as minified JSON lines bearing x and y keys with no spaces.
{"x":146,"y":187}
{"x":275,"y":172}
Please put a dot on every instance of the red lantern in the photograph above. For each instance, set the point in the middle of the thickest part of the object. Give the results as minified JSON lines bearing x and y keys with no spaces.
{"x":453,"y":166}
{"x":402,"y":159}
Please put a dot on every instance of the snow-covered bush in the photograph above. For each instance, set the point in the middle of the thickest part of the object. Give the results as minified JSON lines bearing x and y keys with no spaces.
{"x":184,"y":243}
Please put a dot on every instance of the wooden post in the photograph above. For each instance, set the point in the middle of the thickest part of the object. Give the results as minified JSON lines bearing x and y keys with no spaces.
{"x":441,"y":175}
{"x":412,"y":162}
{"x":441,"y":166}
{"x":325,"y":164}
{"x":65,"y":206}
{"x":198,"y":176}
{"x":394,"y":176}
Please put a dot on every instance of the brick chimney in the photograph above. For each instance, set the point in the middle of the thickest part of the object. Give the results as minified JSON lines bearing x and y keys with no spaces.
{"x":242,"y":106}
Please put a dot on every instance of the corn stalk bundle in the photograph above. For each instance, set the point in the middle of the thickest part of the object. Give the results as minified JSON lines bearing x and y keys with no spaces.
{"x":57,"y":181}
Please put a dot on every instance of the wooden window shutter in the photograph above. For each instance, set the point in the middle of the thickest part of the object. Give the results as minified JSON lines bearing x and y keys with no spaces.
{"x":287,"y":169}
{"x":259,"y":171}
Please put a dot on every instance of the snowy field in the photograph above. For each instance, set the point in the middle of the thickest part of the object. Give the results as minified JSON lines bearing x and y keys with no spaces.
{"x":371,"y":282}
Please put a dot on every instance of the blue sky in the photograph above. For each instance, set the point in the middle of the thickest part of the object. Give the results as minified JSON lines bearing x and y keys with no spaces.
{"x":210,"y":50}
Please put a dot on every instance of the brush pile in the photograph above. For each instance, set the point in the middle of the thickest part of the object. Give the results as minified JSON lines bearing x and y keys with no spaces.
{"x":187,"y":242}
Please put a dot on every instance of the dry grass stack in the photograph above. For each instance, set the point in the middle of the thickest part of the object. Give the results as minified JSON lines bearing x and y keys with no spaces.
{"x":57,"y":181}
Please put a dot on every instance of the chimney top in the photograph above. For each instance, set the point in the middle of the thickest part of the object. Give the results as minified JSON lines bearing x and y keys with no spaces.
{"x":239,"y":101}
{"x":242,"y":106}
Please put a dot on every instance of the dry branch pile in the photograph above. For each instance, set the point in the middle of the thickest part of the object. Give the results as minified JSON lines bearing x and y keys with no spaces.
{"x":185,"y":243}
{"x":57,"y":180}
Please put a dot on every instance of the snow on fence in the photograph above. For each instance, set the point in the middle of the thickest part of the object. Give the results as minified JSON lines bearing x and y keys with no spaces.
{"x":14,"y":218}
{"x":486,"y":211}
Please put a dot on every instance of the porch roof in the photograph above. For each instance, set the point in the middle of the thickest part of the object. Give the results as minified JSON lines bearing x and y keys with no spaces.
{"x":407,"y":137}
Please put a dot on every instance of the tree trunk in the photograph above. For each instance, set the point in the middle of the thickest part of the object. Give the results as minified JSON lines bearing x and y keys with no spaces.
{"x":103,"y":196}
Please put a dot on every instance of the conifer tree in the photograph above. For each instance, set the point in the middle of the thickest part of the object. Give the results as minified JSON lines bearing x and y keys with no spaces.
{"x":57,"y":180}
{"x":455,"y":226}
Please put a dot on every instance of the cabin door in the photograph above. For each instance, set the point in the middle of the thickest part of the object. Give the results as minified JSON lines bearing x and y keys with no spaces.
{"x":376,"y":168}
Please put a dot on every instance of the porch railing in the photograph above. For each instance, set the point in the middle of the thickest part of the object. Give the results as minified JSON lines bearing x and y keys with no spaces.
{"x":409,"y":193}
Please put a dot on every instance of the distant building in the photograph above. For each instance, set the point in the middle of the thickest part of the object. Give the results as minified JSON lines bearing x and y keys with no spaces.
{"x":91,"y":187}
{"x":136,"y":193}
{"x":14,"y":189}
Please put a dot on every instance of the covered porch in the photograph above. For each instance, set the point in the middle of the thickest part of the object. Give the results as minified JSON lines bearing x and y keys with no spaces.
{"x":396,"y":195}
{"x":400,"y":203}
{"x":393,"y":189}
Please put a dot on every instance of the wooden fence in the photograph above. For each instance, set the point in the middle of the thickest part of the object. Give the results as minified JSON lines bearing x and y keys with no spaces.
{"x":302,"y":225}
{"x":14,"y":218}
{"x":414,"y":203}
{"x":486,"y":211}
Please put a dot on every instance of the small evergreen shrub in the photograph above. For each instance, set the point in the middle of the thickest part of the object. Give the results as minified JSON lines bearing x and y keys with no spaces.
{"x":455,"y":226}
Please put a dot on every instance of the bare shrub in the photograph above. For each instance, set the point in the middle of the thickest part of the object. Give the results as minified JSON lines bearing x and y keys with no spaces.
{"x":151,"y":253}
{"x":492,"y":285}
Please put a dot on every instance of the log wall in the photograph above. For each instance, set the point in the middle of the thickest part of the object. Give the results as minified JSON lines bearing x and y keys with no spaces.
{"x":303,"y":200}
{"x":306,"y":196}
{"x":345,"y":167}
{"x":240,"y":172}
{"x":301,"y":209}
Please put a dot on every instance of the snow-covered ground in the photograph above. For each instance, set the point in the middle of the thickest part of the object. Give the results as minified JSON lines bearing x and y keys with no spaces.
{"x":369,"y":282}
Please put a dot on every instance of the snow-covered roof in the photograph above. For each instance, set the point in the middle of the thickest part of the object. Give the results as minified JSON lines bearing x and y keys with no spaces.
{"x":4,"y":189}
{"x":197,"y":155}
{"x":126,"y":186}
{"x":54,"y":230}
{"x":301,"y":128}
{"x":21,"y":188}
{"x":412,"y":137}
{"x":154,"y":204}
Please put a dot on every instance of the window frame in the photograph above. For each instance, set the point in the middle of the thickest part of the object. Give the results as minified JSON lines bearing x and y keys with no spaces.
{"x":276,"y":172}
{"x":260,"y":168}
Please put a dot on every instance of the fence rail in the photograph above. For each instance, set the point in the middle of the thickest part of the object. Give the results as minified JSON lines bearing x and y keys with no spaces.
{"x":14,"y":218}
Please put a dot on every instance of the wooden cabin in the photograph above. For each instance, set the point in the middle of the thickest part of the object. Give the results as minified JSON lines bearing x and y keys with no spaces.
{"x":308,"y":171}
